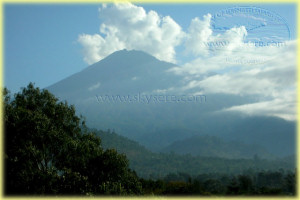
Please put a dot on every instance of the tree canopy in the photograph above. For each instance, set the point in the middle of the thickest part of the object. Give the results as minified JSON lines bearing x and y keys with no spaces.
{"x":49,"y":150}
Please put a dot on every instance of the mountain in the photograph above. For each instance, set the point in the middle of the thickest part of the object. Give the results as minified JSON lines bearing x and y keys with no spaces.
{"x":121,"y":73}
{"x":127,"y":91}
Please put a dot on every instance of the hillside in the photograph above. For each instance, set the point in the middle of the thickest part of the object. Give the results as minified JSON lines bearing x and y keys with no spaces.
{"x":148,"y":164}
{"x":213,"y":146}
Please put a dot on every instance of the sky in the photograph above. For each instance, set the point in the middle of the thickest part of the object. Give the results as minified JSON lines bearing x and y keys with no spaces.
{"x":47,"y":43}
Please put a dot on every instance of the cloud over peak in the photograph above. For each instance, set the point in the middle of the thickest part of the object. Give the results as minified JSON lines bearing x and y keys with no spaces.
{"x":227,"y":62}
{"x":128,"y":26}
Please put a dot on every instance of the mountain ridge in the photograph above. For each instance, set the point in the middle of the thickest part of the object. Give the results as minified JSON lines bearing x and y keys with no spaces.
{"x":149,"y":164}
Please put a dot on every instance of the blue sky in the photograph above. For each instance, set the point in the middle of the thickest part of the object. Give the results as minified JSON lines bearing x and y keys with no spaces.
{"x":41,"y":41}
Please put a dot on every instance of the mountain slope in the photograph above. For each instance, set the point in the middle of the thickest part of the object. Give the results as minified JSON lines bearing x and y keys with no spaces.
{"x":157,"y":124}
{"x":215,"y":147}
{"x":157,"y":165}
{"x":118,"y":73}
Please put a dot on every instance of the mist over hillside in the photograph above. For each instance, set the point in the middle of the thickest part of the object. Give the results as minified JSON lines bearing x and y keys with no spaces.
{"x":234,"y":159}
{"x":140,"y":97}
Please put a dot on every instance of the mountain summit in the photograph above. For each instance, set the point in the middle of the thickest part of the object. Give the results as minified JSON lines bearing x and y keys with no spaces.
{"x":122,"y":71}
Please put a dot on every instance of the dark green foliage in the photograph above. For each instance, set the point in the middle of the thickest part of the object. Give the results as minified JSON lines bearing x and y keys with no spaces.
{"x":222,"y":185}
{"x":48,"y":150}
{"x":290,"y":180}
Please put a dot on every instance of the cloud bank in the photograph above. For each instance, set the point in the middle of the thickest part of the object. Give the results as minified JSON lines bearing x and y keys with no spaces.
{"x":223,"y":63}
{"x":128,"y":26}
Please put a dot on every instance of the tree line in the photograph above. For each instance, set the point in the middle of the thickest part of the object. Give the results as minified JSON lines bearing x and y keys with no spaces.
{"x":249,"y":183}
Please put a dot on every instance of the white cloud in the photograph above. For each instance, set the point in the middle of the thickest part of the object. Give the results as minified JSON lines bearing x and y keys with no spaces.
{"x":93,"y":87}
{"x":283,"y":107}
{"x":223,"y":63}
{"x":226,"y":64}
{"x":201,"y":41}
{"x":125,"y":25}
{"x":159,"y":91}
{"x":199,"y":35}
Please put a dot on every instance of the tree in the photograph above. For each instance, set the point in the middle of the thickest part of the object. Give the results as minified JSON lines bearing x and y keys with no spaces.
{"x":245,"y":184}
{"x":49,"y":150}
{"x":214,"y":186}
{"x":290,"y":181}
{"x":233,"y":187}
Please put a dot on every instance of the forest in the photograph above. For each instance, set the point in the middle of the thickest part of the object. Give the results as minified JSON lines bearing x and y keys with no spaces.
{"x":49,"y":150}
{"x":157,"y":165}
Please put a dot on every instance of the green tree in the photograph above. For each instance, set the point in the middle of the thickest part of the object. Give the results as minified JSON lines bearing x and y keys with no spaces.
{"x":245,"y":184}
{"x":233,"y":187}
{"x":49,"y":150}
{"x":290,"y":181}
{"x":214,"y":186}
